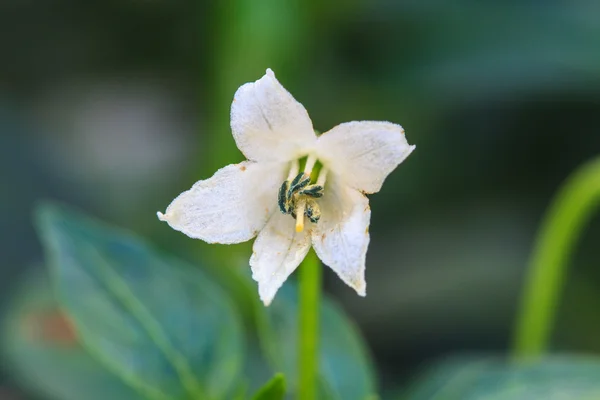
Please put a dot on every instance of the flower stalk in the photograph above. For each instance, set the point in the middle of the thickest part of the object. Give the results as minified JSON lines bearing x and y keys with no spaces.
{"x":308,"y":343}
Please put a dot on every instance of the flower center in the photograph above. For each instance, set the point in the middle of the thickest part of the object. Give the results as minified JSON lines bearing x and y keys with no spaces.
{"x":297,"y":194}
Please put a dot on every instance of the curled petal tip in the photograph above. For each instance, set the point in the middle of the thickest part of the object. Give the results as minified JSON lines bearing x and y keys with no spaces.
{"x":361,"y":289}
{"x":161,"y":216}
{"x":266,"y":300}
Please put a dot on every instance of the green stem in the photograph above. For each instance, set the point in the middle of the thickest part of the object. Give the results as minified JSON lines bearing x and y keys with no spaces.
{"x":561,"y":228}
{"x":308,"y":352}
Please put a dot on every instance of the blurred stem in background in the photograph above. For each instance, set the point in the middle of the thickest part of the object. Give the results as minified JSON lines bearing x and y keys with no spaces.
{"x":310,"y":296}
{"x":251,"y":36}
{"x":563,"y":224}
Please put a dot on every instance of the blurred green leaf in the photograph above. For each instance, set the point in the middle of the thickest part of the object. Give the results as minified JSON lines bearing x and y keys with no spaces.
{"x":42,"y":352}
{"x":257,"y":369}
{"x":158,"y":323}
{"x":550,"y":378}
{"x":272,"y":390}
{"x":345,"y":368}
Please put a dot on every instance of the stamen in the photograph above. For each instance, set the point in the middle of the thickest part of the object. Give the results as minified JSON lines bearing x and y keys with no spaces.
{"x":300,"y":215}
{"x":297,"y":195}
{"x":310,"y":163}
{"x":282,"y":199}
{"x":312,"y":191}
{"x":313,"y":212}
{"x":294,"y":168}
{"x":299,"y":183}
{"x":322,"y":177}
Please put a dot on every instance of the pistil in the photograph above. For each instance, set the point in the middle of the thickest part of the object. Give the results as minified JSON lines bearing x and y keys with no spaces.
{"x":300,"y":215}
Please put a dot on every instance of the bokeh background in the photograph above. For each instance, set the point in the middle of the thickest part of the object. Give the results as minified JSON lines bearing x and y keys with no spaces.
{"x":117,"y":106}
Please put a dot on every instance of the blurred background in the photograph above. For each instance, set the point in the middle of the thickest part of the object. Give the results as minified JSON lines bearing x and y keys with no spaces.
{"x":118,"y":106}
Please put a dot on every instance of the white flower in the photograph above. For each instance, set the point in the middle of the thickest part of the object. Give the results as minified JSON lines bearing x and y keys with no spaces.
{"x":289,"y":210}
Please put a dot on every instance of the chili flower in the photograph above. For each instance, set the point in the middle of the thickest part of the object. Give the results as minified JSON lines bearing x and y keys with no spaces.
{"x":282,"y":197}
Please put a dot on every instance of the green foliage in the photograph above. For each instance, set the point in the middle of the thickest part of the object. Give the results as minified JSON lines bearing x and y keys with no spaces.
{"x":550,"y":378}
{"x":44,"y":354}
{"x":122,"y":321}
{"x":345,"y":368}
{"x":157,"y":323}
{"x":272,"y":390}
{"x":126,"y":322}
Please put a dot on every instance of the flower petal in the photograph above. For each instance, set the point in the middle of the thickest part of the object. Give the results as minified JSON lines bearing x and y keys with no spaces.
{"x":268,"y":124}
{"x":277,"y":251}
{"x":231,"y":206}
{"x":341,"y":236}
{"x":364,"y":153}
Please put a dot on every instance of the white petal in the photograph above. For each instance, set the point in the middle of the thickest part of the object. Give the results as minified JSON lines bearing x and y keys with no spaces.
{"x":364,"y":153}
{"x":341,"y":237}
{"x":268,"y":124}
{"x":277,"y":251}
{"x":231,"y":206}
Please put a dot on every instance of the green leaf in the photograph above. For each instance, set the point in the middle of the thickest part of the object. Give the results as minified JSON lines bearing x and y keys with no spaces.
{"x":158,"y":323}
{"x":549,"y":378}
{"x":345,"y":368}
{"x":257,"y":369}
{"x":42,"y":352}
{"x":272,"y":390}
